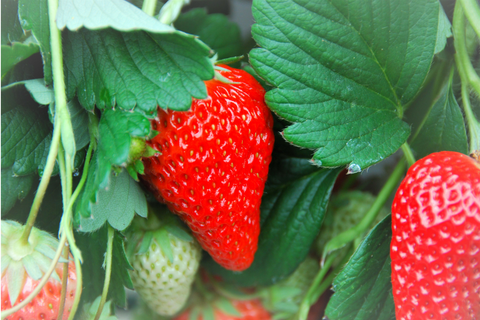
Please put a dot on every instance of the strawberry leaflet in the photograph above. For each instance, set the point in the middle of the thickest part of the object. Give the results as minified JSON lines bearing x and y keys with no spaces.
{"x":343,"y":74}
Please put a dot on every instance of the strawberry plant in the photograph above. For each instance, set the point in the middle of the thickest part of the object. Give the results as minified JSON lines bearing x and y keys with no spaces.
{"x":149,"y":145}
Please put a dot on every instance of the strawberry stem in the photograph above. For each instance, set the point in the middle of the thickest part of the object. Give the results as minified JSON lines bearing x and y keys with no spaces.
{"x":42,"y":187}
{"x":408,"y":153}
{"x":467,"y":73}
{"x":108,"y":271}
{"x":63,"y":293}
{"x":149,"y":7}
{"x":351,"y":234}
{"x":472,"y":11}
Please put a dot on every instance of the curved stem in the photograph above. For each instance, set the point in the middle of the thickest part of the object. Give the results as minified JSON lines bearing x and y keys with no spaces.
{"x":63,"y":293}
{"x":462,"y":60}
{"x":407,"y":152}
{"x":472,"y":11}
{"x":350,"y":234}
{"x":473,"y":124}
{"x":305,"y":305}
{"x":78,"y":291}
{"x":42,"y":282}
{"x":108,"y":271}
{"x":42,"y":187}
{"x":149,"y":7}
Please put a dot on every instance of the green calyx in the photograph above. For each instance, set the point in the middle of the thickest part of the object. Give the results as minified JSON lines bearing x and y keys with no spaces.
{"x":20,"y":260}
{"x":158,"y":226}
{"x":138,"y":149}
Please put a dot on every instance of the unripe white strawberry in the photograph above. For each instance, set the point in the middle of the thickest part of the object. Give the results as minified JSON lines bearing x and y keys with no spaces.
{"x":345,"y":210}
{"x":165,"y":259}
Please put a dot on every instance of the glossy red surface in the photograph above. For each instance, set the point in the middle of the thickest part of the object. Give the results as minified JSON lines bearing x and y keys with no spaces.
{"x":213,"y":166}
{"x":435,"y":247}
{"x":46,"y":304}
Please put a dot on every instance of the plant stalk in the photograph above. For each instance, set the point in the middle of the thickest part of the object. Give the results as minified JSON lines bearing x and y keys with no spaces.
{"x":149,"y":7}
{"x":108,"y":271}
{"x":42,"y":187}
{"x":63,"y":293}
{"x":472,"y":11}
{"x":408,"y":153}
{"x":350,"y":234}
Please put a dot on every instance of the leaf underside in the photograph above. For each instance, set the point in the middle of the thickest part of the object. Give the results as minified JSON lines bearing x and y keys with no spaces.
{"x":343,"y":71}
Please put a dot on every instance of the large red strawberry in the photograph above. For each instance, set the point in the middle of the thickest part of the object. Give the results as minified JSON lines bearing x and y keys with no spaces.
{"x":213,"y":164}
{"x":23,"y":265}
{"x":435,"y":248}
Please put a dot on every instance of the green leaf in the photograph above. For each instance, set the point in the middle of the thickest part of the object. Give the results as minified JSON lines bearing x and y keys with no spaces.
{"x":220,"y":34}
{"x":34,"y":16}
{"x":26,"y":138}
{"x":291,"y":216}
{"x":443,"y":127}
{"x":79,"y":119}
{"x":37,"y":89}
{"x":14,"y":188}
{"x":117,"y":14}
{"x":135,"y":69}
{"x":95,"y":245}
{"x":115,"y":129}
{"x":444,"y":30}
{"x":11,"y":55}
{"x":343,"y":73}
{"x":363,"y":289}
{"x":117,"y":204}
{"x":11,"y":29}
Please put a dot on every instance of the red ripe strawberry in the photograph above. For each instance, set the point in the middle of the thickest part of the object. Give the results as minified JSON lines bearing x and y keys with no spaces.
{"x":248,"y":310}
{"x":22,"y":269}
{"x":213,"y":164}
{"x":435,"y":248}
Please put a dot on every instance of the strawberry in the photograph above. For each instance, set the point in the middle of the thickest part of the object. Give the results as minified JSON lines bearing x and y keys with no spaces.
{"x":213,"y":163}
{"x":23,"y":266}
{"x":435,"y":248}
{"x":243,"y":310}
{"x":345,"y":210}
{"x":283,"y":298}
{"x":165,"y":259}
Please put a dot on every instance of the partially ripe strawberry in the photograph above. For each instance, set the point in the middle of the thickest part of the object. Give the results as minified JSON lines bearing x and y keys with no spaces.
{"x":23,"y":266}
{"x":165,"y":260}
{"x":245,"y":309}
{"x":435,"y":248}
{"x":213,"y":164}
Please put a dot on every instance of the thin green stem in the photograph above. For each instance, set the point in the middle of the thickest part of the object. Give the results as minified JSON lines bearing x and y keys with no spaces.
{"x":63,"y":293}
{"x":78,"y":292}
{"x":149,"y":6}
{"x":305,"y":305}
{"x":473,"y":124}
{"x":329,"y":279}
{"x":351,"y":234}
{"x":41,"y":284}
{"x":472,"y":11}
{"x":407,"y":152}
{"x":42,"y":187}
{"x":462,"y":60}
{"x":108,"y":271}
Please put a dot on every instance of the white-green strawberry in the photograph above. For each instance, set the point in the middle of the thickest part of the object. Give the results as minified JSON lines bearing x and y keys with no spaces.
{"x":345,"y":210}
{"x":283,"y":299}
{"x":165,"y":259}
